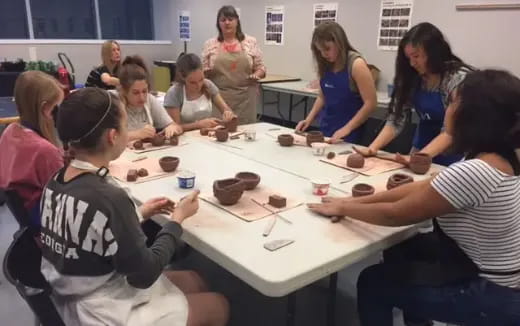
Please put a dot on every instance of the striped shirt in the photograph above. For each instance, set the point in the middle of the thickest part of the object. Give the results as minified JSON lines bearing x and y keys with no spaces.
{"x":486,"y":225}
{"x":94,"y":78}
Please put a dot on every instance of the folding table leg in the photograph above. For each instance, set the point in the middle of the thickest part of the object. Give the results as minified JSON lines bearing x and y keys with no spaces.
{"x":291,"y":309}
{"x":331,"y":301}
{"x":290,"y":107}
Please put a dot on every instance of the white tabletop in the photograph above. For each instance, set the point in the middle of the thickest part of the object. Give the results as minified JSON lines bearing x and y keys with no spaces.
{"x":320,"y":247}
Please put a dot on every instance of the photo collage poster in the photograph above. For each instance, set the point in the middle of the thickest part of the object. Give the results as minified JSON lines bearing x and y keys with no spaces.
{"x":184,"y":26}
{"x":274,"y":29}
{"x":395,"y":20}
{"x":324,"y":12}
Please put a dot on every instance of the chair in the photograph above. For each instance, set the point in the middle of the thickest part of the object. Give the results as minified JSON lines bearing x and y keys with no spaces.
{"x":16,"y":206}
{"x":22,"y":269}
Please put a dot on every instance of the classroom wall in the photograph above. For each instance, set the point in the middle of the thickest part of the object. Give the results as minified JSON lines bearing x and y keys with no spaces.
{"x":482,"y":38}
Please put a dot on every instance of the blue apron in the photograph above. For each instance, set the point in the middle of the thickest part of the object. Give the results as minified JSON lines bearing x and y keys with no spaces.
{"x":341,"y":105}
{"x":430,"y":109}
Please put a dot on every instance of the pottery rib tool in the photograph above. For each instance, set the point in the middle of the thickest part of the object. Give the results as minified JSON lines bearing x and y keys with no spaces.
{"x":350,"y":177}
{"x":139,"y":158}
{"x":271,"y":211}
{"x":269,"y":227}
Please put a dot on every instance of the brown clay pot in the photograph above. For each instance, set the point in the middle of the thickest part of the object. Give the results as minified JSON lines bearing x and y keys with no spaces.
{"x":142,"y":172}
{"x":138,"y":144}
{"x":356,"y":161}
{"x":420,"y":163}
{"x":222,"y":134}
{"x":228,"y":191}
{"x":174,"y":140}
{"x":362,"y":189}
{"x":231,"y":125}
{"x":204,"y":131}
{"x":397,"y":180}
{"x":158,"y":140}
{"x":285,"y":140}
{"x":250,"y":179}
{"x":315,"y":137}
{"x":169,"y":163}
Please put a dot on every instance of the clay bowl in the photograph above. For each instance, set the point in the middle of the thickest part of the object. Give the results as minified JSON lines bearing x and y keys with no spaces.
{"x":315,"y":137}
{"x":398,"y":179}
{"x":362,"y":189}
{"x":169,"y":163}
{"x":420,"y":163}
{"x":231,"y":125}
{"x":158,"y":140}
{"x":138,"y":144}
{"x":222,"y":134}
{"x":250,"y":179}
{"x":286,"y":140}
{"x":228,"y":191}
{"x":174,"y":140}
{"x":356,"y":161}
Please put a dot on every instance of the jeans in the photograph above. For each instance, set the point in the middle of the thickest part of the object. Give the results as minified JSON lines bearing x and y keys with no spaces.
{"x":477,"y":302}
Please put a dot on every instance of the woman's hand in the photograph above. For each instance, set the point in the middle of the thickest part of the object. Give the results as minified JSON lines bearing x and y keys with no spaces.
{"x":403,"y":159}
{"x":160,"y":205}
{"x":172,"y":130}
{"x":228,"y":115}
{"x":338,"y":136}
{"x":147,"y":131}
{"x":365,"y":151}
{"x":208,"y":123}
{"x":302,"y":125}
{"x":187,"y":207}
{"x":327,"y":209}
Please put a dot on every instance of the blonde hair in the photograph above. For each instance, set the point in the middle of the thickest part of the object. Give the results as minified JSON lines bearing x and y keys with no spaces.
{"x":106,"y":56}
{"x":330,"y":32}
{"x":32,"y":90}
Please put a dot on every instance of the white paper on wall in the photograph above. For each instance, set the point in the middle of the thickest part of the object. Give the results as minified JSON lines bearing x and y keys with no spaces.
{"x":184,"y":25}
{"x":274,"y":25}
{"x":395,"y":20}
{"x":324,"y":12}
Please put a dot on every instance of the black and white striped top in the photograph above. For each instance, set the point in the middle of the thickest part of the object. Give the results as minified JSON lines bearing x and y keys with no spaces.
{"x":94,"y":78}
{"x":486,"y":224}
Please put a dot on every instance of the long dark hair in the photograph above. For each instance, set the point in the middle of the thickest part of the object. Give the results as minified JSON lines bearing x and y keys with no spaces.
{"x":441,"y":60}
{"x":487,"y":119}
{"x":330,"y":32}
{"x":229,"y":12}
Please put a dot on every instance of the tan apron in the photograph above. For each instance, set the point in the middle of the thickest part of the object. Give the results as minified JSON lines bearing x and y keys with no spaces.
{"x":231,"y":75}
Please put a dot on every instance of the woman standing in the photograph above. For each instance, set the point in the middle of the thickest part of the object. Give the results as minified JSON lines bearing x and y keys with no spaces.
{"x":234,"y":63}
{"x":190,"y":100}
{"x":347,"y":91}
{"x":105,"y":76}
{"x":427,"y":72}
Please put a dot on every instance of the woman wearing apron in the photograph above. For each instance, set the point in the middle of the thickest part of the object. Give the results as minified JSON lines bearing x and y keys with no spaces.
{"x":234,"y":63}
{"x":347,"y":92}
{"x":467,"y":272}
{"x":427,"y":72}
{"x":190,"y":100}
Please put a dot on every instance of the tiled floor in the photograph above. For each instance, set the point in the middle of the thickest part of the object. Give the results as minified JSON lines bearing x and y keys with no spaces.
{"x":247,"y":305}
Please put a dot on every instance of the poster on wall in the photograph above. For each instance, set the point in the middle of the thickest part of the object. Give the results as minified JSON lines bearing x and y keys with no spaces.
{"x":394,"y":22}
{"x":184,"y":26}
{"x":274,"y":30}
{"x":324,"y":12}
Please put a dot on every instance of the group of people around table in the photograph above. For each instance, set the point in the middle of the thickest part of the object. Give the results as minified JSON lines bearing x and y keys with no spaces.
{"x":467,"y":271}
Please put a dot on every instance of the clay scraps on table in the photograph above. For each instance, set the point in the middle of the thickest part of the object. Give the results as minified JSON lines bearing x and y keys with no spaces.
{"x":299,"y":140}
{"x":253,"y":205}
{"x":120,"y":167}
{"x":148,"y":147}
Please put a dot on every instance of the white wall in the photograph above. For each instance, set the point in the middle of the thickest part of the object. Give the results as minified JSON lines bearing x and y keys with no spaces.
{"x":483,"y":39}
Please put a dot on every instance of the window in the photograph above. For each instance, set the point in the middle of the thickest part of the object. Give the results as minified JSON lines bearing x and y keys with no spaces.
{"x":126,"y":19}
{"x":63,"y":19}
{"x":13,"y":19}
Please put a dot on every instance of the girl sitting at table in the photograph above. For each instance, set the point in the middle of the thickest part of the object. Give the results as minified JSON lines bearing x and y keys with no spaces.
{"x":105,"y":75}
{"x":191,"y":100}
{"x":468,"y":271}
{"x":145,"y":113}
{"x":30,"y":149}
{"x":94,"y":252}
{"x":347,"y":94}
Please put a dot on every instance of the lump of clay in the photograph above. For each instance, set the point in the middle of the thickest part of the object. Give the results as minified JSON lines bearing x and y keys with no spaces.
{"x":142,"y":172}
{"x":331,"y":155}
{"x":174,"y":140}
{"x":231,"y":125}
{"x":277,"y":201}
{"x":138,"y":144}
{"x":355,"y":161}
{"x":158,"y":140}
{"x":228,"y":191}
{"x":132,"y":175}
{"x":315,"y":137}
{"x":169,"y":163}
{"x":222,"y":134}
{"x":420,"y":163}
{"x":397,"y":180}
{"x":362,"y":189}
{"x":285,"y":140}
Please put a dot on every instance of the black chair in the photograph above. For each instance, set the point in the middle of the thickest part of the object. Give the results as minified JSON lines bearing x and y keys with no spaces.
{"x":22,"y":269}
